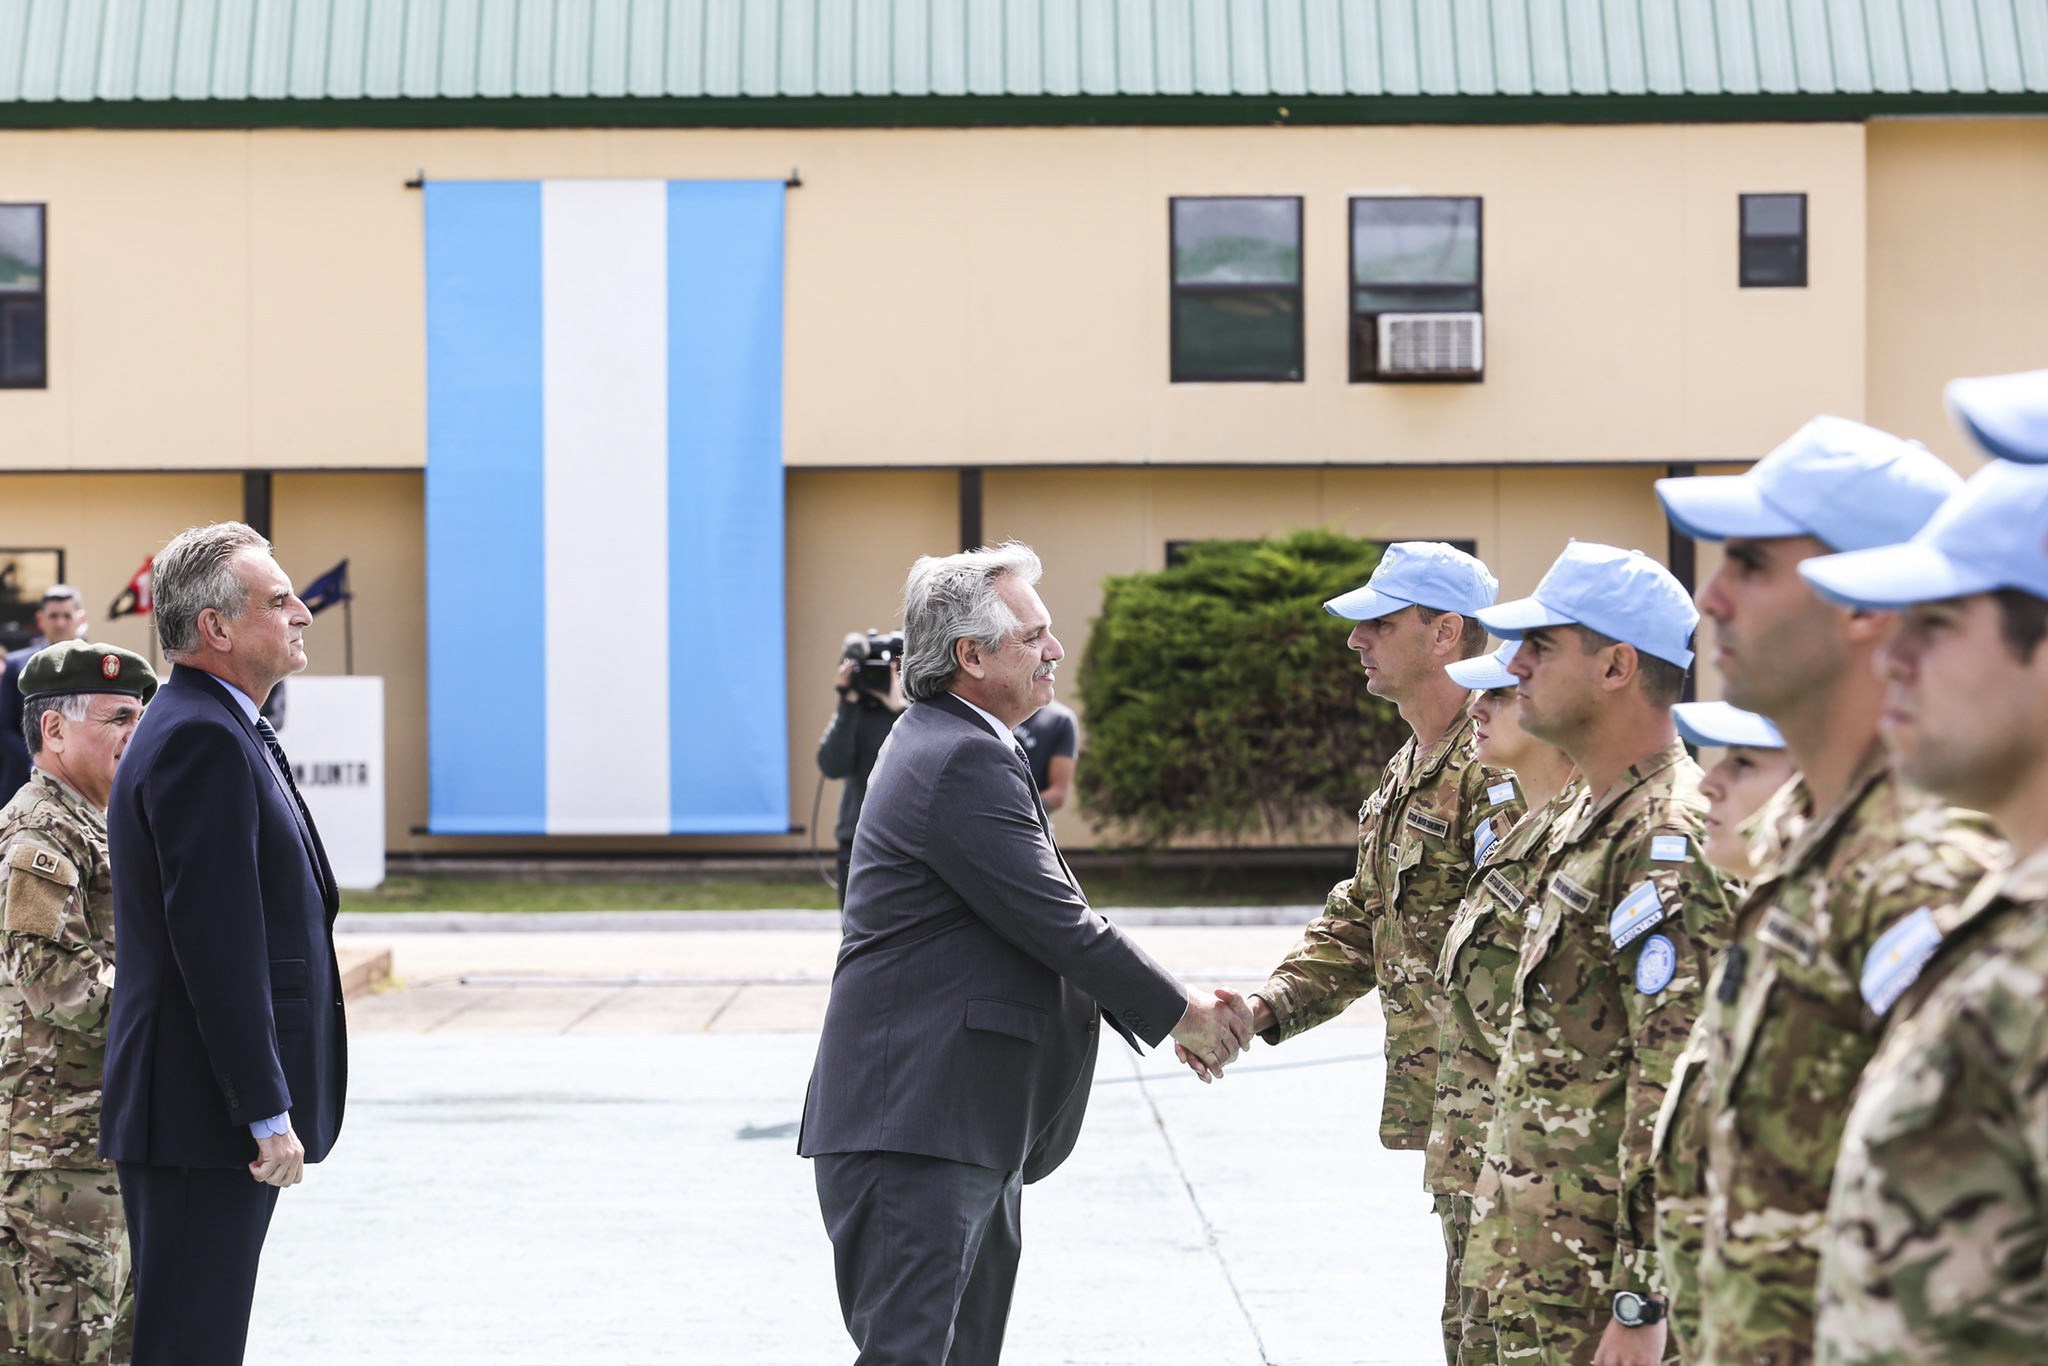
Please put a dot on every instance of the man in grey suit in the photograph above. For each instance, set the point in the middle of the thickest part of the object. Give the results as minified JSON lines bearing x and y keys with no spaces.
{"x":959,"y":1043}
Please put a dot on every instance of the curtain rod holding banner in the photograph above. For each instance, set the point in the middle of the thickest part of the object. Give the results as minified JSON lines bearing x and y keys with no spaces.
{"x":419,"y":180}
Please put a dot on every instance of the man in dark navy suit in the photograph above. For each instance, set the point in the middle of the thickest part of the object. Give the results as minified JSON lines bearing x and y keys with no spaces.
{"x":227,"y":1055}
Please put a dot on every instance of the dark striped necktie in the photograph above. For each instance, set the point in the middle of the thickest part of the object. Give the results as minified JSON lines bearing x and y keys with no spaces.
{"x":284,"y":766}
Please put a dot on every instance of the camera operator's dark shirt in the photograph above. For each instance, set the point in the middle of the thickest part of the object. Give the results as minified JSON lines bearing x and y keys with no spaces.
{"x":1050,"y":733}
{"x":848,"y":751}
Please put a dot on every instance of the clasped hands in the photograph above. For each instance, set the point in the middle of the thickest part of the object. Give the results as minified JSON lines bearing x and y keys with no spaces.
{"x":1212,"y":1032}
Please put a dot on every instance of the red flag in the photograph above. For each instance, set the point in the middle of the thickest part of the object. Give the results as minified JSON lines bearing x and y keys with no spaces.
{"x":135,"y":599}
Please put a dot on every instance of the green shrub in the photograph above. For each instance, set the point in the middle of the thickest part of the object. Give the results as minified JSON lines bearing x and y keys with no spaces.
{"x":1220,"y":696}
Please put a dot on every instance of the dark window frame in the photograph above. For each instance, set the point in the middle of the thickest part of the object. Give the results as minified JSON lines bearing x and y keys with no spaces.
{"x":1744,"y":239}
{"x":1364,"y":338}
{"x":40,"y":297}
{"x":1176,"y":373}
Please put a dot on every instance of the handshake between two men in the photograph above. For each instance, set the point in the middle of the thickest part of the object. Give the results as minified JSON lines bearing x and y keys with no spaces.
{"x":1213,"y":1032}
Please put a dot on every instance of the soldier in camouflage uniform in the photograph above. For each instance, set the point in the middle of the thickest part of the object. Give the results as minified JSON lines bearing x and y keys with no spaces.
{"x":1478,"y":967}
{"x":1610,"y":973}
{"x":1384,"y":926}
{"x":1785,"y":1033}
{"x":63,"y":1249}
{"x":1752,"y":766}
{"x":1932,"y":1248}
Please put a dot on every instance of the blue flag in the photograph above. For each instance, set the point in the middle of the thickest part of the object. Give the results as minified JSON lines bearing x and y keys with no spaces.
{"x":330,"y":588}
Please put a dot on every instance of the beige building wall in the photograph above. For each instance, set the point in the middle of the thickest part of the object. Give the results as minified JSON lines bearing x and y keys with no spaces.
{"x":227,"y":300}
{"x":107,"y":525}
{"x":1958,"y":265}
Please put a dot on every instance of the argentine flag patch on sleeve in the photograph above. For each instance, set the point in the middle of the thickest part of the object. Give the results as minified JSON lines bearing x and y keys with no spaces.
{"x":1895,"y":960}
{"x":1639,"y":912}
{"x":1482,"y":839}
{"x":1502,"y":791}
{"x":1667,"y":848}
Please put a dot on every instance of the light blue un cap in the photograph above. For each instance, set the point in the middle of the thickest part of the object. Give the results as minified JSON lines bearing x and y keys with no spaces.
{"x":2007,"y":414}
{"x":1620,"y":593}
{"x":1488,"y":671}
{"x":1848,"y":485}
{"x":1724,"y":723}
{"x":1992,"y":535}
{"x":1428,"y":574}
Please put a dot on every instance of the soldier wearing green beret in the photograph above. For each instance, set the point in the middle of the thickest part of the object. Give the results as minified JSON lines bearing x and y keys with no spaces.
{"x":63,"y":1241}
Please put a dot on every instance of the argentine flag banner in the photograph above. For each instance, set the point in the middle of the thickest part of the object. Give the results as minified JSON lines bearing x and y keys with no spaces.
{"x":604,"y":508}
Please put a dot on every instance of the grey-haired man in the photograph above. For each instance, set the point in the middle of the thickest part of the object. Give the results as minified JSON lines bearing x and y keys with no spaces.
{"x":960,"y":1039}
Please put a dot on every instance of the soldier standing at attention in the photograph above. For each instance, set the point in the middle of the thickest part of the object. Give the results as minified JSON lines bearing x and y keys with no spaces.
{"x":1610,"y":974}
{"x":1753,"y":766}
{"x":65,"y":1244}
{"x":1786,"y":1032}
{"x":1384,"y":925}
{"x":1932,"y":1247}
{"x":1478,"y":966}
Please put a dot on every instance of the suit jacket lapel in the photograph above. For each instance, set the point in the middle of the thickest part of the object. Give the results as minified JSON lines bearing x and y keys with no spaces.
{"x":316,"y":853}
{"x":1021,"y":766}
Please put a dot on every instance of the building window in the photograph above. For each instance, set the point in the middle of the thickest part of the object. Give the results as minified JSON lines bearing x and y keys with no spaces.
{"x":22,"y":286}
{"x":1237,"y":289}
{"x":1774,"y":241}
{"x":1412,"y":257}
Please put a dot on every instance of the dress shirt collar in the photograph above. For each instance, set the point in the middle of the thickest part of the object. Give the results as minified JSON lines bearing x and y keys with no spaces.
{"x":1002,"y":731}
{"x":246,"y":702}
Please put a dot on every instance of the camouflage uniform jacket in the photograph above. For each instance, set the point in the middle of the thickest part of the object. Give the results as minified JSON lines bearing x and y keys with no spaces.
{"x":57,"y":948}
{"x":1478,"y":973}
{"x":1787,"y":1035}
{"x":1938,"y":1219}
{"x":1384,"y":926}
{"x":1605,"y":993}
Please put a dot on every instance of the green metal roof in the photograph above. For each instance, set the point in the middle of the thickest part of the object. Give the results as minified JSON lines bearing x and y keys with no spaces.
{"x":537,"y":61}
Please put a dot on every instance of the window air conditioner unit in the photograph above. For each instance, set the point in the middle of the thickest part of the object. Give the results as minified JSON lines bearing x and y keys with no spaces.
{"x":1431,"y":345}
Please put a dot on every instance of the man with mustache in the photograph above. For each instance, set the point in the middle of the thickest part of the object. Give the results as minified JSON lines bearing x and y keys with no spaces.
{"x":960,"y":1039}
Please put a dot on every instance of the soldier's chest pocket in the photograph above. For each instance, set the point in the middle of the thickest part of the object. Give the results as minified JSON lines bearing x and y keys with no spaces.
{"x":1798,"y":1033}
{"x":1423,"y":857}
{"x":1908,"y":1108}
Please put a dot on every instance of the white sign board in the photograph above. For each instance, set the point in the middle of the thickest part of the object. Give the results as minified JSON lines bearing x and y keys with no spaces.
{"x":333,"y":731}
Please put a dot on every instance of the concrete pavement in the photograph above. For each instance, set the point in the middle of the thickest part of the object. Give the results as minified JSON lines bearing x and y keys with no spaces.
{"x":587,"y":1154}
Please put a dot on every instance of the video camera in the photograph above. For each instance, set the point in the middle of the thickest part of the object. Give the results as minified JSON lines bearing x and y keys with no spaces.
{"x":875,"y":653}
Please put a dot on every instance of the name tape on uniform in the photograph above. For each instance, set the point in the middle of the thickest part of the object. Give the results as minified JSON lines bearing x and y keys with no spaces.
{"x":1639,"y":912}
{"x":1789,"y":936}
{"x":1506,"y":893}
{"x":1571,"y":893}
{"x":1895,"y":960}
{"x":1432,"y":826}
{"x":1668,"y":848}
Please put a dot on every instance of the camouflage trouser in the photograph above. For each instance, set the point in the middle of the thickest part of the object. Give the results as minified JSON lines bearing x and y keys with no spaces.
{"x":1548,"y":1335}
{"x":1681,"y":1231}
{"x":1468,"y":1338}
{"x":63,"y":1264}
{"x":1554,"y":1335}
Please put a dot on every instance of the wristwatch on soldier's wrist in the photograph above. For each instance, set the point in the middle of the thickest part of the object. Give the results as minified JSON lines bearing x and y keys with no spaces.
{"x":1636,"y":1311}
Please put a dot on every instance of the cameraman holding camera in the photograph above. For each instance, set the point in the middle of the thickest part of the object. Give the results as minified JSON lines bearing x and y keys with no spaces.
{"x":870,"y":688}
